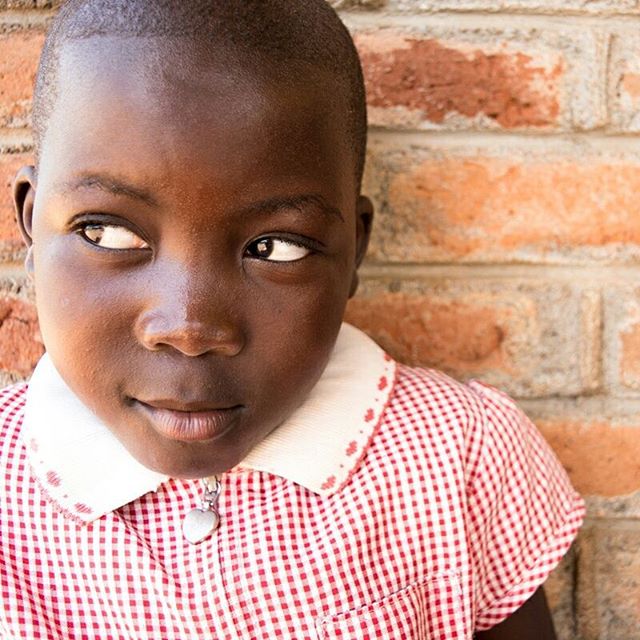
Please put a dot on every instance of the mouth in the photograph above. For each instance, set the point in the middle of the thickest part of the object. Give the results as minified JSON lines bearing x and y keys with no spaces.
{"x":189,"y":422}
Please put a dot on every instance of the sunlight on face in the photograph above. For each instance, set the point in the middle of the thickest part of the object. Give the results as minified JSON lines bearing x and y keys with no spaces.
{"x":220,"y":248}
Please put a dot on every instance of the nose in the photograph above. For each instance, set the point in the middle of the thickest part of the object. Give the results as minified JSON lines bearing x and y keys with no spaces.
{"x":191,"y":321}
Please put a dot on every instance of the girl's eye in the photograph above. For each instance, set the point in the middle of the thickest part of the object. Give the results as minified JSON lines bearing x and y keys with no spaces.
{"x":277,"y":250}
{"x":112,"y":236}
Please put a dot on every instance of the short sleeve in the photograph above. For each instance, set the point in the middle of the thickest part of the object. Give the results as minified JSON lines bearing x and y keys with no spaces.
{"x":522,"y":511}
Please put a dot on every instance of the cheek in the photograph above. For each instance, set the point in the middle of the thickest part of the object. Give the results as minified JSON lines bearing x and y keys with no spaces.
{"x":310,"y":300}
{"x":293,"y":334}
{"x":81,"y":317}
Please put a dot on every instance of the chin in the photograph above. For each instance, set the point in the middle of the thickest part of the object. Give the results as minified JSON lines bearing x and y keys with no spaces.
{"x":191,"y":467}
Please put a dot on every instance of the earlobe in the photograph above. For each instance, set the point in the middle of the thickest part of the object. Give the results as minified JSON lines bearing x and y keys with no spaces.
{"x":28,"y":261}
{"x":24,"y":194}
{"x":364,"y":222}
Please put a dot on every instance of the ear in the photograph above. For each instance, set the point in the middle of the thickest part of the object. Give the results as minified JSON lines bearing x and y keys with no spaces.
{"x":364,"y":221}
{"x":24,"y":194}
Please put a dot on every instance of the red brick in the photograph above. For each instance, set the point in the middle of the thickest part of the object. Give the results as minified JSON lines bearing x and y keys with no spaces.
{"x":482,"y":78}
{"x":20,"y":342}
{"x":558,"y":589}
{"x":624,"y":82}
{"x":607,"y":597}
{"x":630,"y":356}
{"x":560,"y":7}
{"x":602,"y":458}
{"x":10,"y":240}
{"x":528,"y":338}
{"x":19,"y":53}
{"x":456,"y":205}
{"x":622,"y":332}
{"x":436,"y":79}
{"x":450,"y":333}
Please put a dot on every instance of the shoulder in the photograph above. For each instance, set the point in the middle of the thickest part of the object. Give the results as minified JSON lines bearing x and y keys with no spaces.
{"x":432,"y":394}
{"x":432,"y":390}
{"x":431,"y":385}
{"x":12,"y":450}
{"x":12,"y":402}
{"x":477,"y":417}
{"x":438,"y":418}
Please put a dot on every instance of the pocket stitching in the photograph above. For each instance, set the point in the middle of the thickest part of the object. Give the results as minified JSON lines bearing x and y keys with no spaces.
{"x":330,"y":620}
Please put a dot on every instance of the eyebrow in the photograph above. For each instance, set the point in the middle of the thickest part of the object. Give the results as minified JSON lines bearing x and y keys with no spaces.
{"x":115,"y":186}
{"x":109,"y":184}
{"x":298,"y":202}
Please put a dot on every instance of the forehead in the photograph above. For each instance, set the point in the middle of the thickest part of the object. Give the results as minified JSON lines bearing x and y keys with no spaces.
{"x":163,"y":103}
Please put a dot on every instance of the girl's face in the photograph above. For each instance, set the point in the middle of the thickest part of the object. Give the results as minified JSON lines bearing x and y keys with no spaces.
{"x":195,"y":236}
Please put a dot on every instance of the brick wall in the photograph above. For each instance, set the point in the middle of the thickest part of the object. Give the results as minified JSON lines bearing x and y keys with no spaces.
{"x":505,"y":165}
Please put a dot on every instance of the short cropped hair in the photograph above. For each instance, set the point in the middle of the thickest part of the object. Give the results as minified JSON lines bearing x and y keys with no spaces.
{"x":270,"y":36}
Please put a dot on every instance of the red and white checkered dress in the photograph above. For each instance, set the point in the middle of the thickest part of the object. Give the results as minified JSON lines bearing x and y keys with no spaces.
{"x":438,"y":511}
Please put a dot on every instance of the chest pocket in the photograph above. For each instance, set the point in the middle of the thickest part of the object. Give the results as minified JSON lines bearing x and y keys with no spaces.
{"x":428,"y":610}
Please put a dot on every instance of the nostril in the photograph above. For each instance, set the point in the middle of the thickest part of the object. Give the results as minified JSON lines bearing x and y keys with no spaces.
{"x":156,"y":331}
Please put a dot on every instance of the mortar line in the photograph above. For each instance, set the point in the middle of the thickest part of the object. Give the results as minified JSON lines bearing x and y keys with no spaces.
{"x":604,"y":82}
{"x":15,"y":140}
{"x":27,"y":18}
{"x":602,"y":405}
{"x":621,"y":523}
{"x":590,"y":273}
{"x":615,"y":141}
{"x":572,"y":20}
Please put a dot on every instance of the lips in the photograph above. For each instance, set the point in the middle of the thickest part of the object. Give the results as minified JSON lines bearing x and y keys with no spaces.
{"x":189,"y":422}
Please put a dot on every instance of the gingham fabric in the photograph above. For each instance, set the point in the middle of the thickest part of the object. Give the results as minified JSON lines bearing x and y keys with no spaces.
{"x":448,"y":520}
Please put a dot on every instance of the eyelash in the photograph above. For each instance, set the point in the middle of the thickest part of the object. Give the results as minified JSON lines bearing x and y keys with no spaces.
{"x":82,"y":226}
{"x":309,"y":245}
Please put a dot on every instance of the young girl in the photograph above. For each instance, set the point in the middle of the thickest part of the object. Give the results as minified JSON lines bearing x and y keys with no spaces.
{"x":206,"y":451}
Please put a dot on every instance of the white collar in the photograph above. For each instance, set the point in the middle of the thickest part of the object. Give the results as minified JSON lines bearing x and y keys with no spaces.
{"x":85,"y":470}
